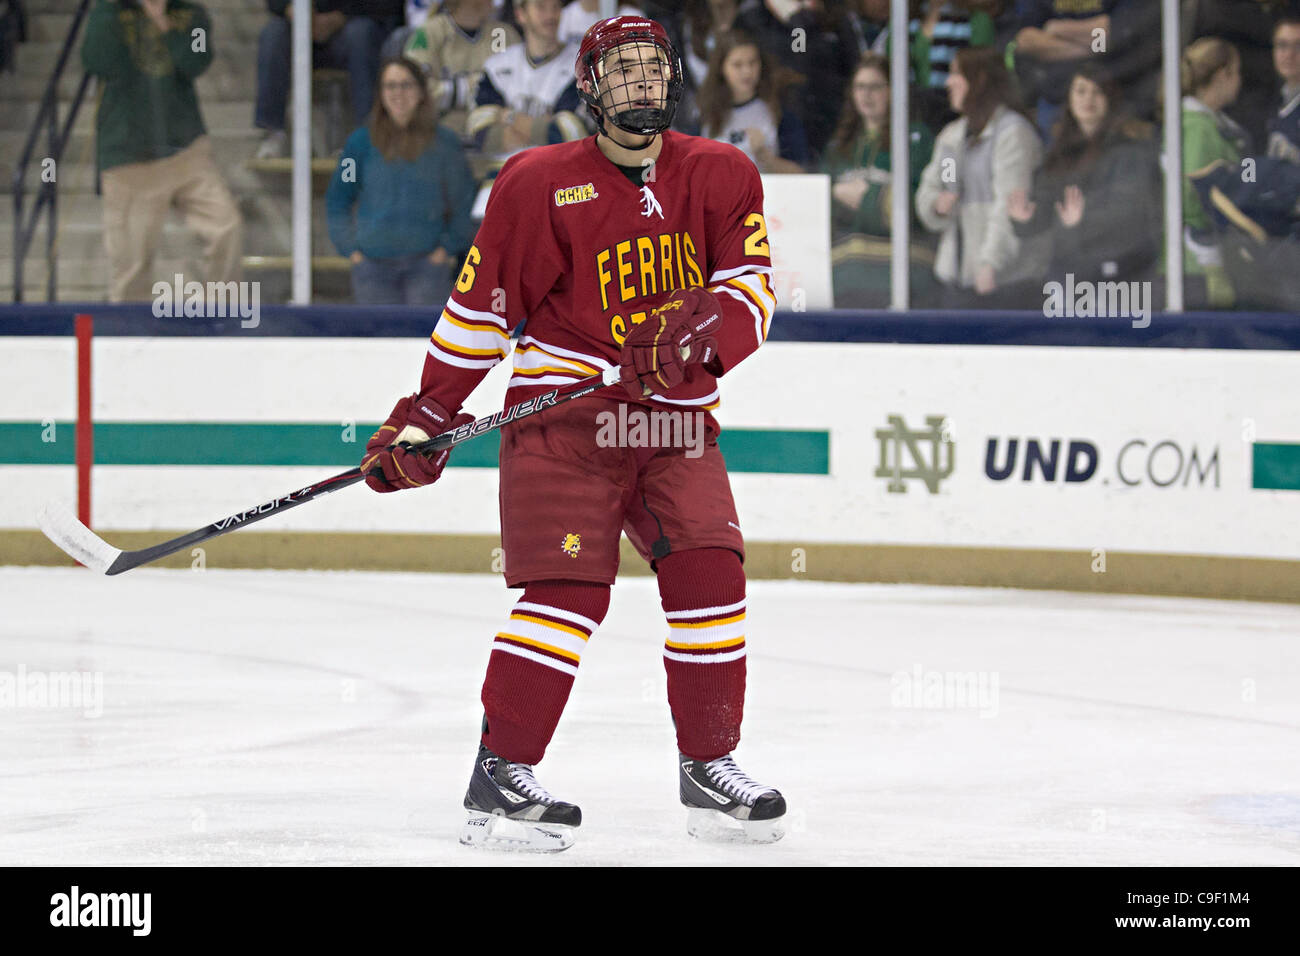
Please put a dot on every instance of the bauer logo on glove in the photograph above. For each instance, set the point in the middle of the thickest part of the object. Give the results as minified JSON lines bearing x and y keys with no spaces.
{"x":389,"y":462}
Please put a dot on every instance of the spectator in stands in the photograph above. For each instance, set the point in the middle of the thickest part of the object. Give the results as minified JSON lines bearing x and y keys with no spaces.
{"x":740,"y":103}
{"x":867,"y":20}
{"x":418,"y":11}
{"x":858,"y":161}
{"x":580,"y":15}
{"x":1248,"y":25}
{"x":1096,"y":199}
{"x":1211,"y":74}
{"x":979,"y":160}
{"x":528,"y":96}
{"x":938,"y":29}
{"x":704,"y":22}
{"x":1284,"y":125}
{"x":825,"y":56}
{"x":768,"y":22}
{"x":1056,"y":36}
{"x":153,"y":148}
{"x":345,"y":34}
{"x":813,"y":42}
{"x":399,"y":203}
{"x":452,"y":46}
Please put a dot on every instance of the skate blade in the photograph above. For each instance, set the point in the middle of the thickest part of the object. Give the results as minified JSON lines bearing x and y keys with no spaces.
{"x":494,"y":832}
{"x":712,"y":826}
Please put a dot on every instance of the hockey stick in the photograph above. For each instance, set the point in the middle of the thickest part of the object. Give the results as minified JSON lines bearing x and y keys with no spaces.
{"x":62,"y":527}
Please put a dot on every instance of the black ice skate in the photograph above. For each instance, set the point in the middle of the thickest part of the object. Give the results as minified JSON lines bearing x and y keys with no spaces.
{"x":510,"y":810}
{"x":718,"y":790}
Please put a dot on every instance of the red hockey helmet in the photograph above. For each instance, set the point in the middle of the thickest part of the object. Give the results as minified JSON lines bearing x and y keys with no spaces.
{"x":620,"y":96}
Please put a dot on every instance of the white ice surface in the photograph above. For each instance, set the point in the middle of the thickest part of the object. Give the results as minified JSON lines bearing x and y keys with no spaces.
{"x":295,"y":717}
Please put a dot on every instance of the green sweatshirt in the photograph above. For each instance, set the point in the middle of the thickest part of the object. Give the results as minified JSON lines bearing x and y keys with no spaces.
{"x":148,"y":108}
{"x":1203,"y":143}
{"x":869,"y":155}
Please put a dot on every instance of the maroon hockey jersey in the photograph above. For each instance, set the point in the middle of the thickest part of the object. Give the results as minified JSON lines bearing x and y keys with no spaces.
{"x":576,"y":251}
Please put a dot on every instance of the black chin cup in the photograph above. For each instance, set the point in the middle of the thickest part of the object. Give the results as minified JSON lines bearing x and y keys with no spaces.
{"x":646,"y":121}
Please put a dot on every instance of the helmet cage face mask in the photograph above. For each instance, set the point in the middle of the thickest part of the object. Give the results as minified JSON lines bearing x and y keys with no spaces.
{"x":618,"y":70}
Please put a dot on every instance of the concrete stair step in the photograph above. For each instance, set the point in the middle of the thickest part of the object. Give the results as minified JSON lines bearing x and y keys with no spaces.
{"x":231,"y":147}
{"x":270,"y":264}
{"x":19,"y":117}
{"x":234,"y":23}
{"x":74,"y":178}
{"x":267,"y":232}
{"x":71,"y":6}
{"x":86,"y":207}
{"x":90,"y":276}
{"x":330,"y":280}
{"x":48,"y":28}
{"x":231,"y":77}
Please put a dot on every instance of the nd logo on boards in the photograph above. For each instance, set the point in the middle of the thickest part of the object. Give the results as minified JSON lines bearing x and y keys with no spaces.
{"x":924,"y":455}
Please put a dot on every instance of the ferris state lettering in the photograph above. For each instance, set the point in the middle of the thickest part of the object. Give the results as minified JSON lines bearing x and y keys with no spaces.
{"x":643,"y":267}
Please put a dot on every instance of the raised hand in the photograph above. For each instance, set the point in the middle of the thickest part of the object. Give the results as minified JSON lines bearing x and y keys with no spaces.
{"x":1019,"y":207}
{"x":1070,"y":212}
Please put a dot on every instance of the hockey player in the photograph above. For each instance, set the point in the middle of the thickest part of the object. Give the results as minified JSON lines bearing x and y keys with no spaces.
{"x":643,"y":249}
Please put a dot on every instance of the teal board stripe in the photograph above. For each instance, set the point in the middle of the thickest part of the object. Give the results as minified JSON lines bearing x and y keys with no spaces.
{"x":1276,"y":466}
{"x":755,"y":450}
{"x":38,"y":443}
{"x":776,"y":451}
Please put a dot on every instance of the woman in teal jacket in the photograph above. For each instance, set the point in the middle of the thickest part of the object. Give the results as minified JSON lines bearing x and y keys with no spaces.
{"x":399,"y":203}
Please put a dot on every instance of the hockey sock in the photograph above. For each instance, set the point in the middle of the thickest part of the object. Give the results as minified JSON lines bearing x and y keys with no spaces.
{"x":534,"y":660}
{"x":703,"y":595}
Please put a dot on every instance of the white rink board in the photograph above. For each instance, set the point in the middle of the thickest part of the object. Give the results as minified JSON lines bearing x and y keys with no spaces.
{"x":798,"y":213}
{"x":1210,"y":401}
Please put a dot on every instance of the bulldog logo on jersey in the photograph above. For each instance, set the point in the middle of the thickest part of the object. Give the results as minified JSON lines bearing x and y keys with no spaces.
{"x":571,"y":545}
{"x":573,"y":195}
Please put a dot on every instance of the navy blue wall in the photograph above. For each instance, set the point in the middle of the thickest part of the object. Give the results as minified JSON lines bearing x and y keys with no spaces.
{"x":1202,"y":330}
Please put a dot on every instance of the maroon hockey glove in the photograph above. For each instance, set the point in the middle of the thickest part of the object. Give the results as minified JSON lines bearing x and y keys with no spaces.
{"x":657,"y":351}
{"x":413,"y":420}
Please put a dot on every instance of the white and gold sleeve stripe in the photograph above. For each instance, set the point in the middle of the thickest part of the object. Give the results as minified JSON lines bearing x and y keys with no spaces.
{"x":752,"y":287}
{"x":468,"y":338}
{"x":536,"y":363}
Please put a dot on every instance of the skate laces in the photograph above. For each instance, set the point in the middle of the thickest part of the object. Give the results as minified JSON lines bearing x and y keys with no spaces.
{"x":734,"y":781}
{"x":521,"y":777}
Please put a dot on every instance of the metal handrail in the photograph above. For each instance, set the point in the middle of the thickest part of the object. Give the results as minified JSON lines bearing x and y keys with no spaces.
{"x":47,"y":118}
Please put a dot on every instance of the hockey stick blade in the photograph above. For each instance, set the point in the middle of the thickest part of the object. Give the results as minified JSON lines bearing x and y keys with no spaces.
{"x":62,"y":527}
{"x":74,"y":538}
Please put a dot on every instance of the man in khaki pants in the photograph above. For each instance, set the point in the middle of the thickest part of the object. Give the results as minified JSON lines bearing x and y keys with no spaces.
{"x":153,"y":148}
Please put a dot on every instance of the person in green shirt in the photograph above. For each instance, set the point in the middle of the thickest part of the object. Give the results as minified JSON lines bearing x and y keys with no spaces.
{"x":858,"y":161}
{"x":153,"y":148}
{"x":1211,"y":80}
